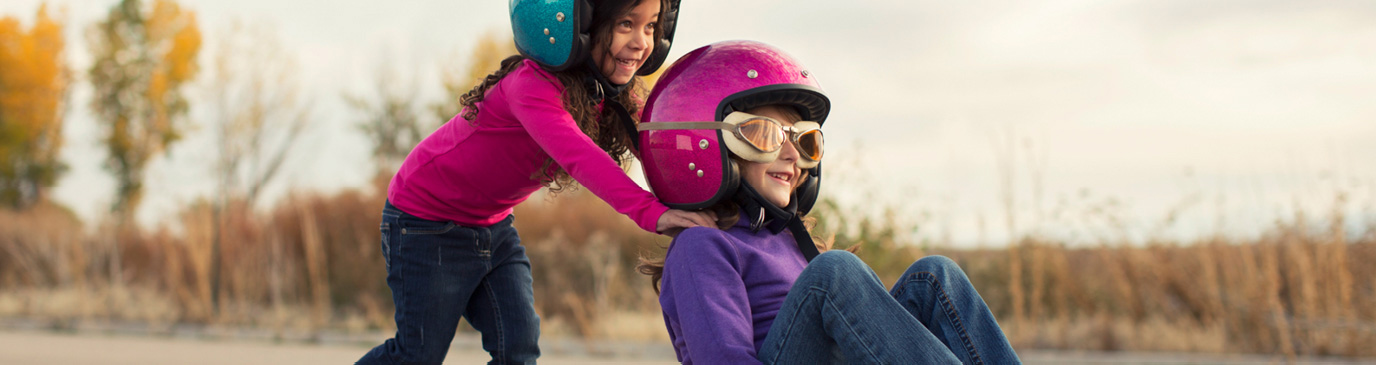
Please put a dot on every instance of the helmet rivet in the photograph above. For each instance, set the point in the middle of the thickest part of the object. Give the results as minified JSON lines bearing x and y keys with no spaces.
{"x":559,"y":17}
{"x":805,"y":73}
{"x":752,"y":74}
{"x":702,"y":144}
{"x":692,"y":166}
{"x":551,"y":40}
{"x":699,"y":173}
{"x":547,"y":33}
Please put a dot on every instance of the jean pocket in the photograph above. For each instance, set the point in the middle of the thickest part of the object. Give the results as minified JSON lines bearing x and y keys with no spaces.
{"x":386,"y":230}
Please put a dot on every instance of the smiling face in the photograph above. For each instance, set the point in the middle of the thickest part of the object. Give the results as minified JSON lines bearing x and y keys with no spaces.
{"x":632,"y":41}
{"x":775,"y":181}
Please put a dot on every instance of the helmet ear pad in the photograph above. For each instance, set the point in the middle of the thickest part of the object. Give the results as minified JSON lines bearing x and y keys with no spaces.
{"x":580,"y":41}
{"x":582,"y":37}
{"x":730,"y":179}
{"x":657,"y":57}
{"x":808,"y":189}
{"x":585,"y":17}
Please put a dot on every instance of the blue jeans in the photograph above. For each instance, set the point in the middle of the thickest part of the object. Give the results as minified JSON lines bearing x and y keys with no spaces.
{"x":439,"y":272}
{"x":838,"y":312}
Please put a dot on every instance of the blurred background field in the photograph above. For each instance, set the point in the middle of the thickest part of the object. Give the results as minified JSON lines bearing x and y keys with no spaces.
{"x":171,"y":167}
{"x":312,"y":265}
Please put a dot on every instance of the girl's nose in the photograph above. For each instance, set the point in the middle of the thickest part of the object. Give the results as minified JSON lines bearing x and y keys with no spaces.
{"x":640,"y":41}
{"x":788,"y":152}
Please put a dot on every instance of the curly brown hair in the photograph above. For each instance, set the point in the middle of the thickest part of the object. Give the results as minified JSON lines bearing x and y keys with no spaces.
{"x":604,"y":127}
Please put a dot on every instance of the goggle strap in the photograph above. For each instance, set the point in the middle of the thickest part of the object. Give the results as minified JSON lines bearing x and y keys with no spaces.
{"x":683,"y":125}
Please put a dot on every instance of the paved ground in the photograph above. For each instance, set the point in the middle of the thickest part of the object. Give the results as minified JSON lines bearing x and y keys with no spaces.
{"x":19,"y":347}
{"x":42,"y":348}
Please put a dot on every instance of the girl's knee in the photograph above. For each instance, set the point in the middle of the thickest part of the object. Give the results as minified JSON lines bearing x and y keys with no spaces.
{"x":836,"y":266}
{"x":937,"y":265}
{"x":836,"y":259}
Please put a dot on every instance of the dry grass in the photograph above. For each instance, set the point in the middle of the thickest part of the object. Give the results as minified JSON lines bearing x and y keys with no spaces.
{"x":1293,"y":291}
{"x":1285,"y":294}
{"x":583,"y":257}
{"x":312,"y":262}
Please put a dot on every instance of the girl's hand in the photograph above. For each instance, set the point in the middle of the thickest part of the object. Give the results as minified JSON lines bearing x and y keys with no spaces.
{"x":675,"y":220}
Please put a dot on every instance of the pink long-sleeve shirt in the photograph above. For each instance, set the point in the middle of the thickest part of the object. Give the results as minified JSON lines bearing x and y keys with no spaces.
{"x":474,"y":173}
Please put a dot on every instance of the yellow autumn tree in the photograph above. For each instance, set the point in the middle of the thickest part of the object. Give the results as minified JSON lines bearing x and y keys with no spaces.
{"x":33,"y":91}
{"x":143,"y":57}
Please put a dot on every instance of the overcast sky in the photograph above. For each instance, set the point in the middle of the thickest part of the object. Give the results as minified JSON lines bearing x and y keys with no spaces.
{"x":1234,"y":113}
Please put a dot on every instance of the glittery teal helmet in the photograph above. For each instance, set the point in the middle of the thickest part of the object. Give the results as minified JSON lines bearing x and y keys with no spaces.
{"x":557,"y":33}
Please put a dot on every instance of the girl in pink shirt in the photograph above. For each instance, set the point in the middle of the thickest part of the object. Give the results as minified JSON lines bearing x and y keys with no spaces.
{"x":559,"y":112}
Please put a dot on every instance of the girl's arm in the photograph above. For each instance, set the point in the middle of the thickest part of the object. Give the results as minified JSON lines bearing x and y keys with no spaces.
{"x":704,"y":297}
{"x":535,"y":101}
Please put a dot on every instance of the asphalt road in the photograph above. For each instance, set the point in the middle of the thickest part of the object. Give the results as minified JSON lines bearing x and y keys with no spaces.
{"x":19,"y":347}
{"x":42,"y":348}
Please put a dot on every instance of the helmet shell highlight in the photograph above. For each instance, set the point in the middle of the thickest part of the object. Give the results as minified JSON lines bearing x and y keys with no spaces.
{"x":692,"y":169}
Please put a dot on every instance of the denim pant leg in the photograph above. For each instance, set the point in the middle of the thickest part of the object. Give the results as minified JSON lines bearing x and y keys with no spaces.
{"x":432,"y":270}
{"x":838,"y":306}
{"x":503,"y":306}
{"x":937,"y":292}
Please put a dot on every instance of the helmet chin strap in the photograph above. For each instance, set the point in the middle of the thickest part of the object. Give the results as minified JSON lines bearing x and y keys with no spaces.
{"x":604,"y":91}
{"x":763,"y":214}
{"x":601,"y":87}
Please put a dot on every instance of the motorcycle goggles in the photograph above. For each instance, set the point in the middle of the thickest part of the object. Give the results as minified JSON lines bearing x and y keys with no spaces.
{"x":758,"y":138}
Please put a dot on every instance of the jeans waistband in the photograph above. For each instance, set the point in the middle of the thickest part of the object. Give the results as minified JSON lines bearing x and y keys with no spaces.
{"x":391,"y":210}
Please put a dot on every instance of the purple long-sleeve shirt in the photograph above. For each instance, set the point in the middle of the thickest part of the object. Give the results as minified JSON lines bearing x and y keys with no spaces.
{"x":474,"y":173}
{"x":722,"y":289}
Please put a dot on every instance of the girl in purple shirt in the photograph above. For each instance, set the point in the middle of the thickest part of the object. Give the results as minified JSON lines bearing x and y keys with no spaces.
{"x":559,"y":112}
{"x":734,"y":127}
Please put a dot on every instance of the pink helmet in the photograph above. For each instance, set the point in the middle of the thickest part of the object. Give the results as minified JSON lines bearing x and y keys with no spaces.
{"x":691,"y":168}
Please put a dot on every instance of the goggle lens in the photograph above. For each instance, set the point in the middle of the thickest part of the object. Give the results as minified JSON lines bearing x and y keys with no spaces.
{"x":810,"y":144}
{"x":763,"y":134}
{"x":757,"y":138}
